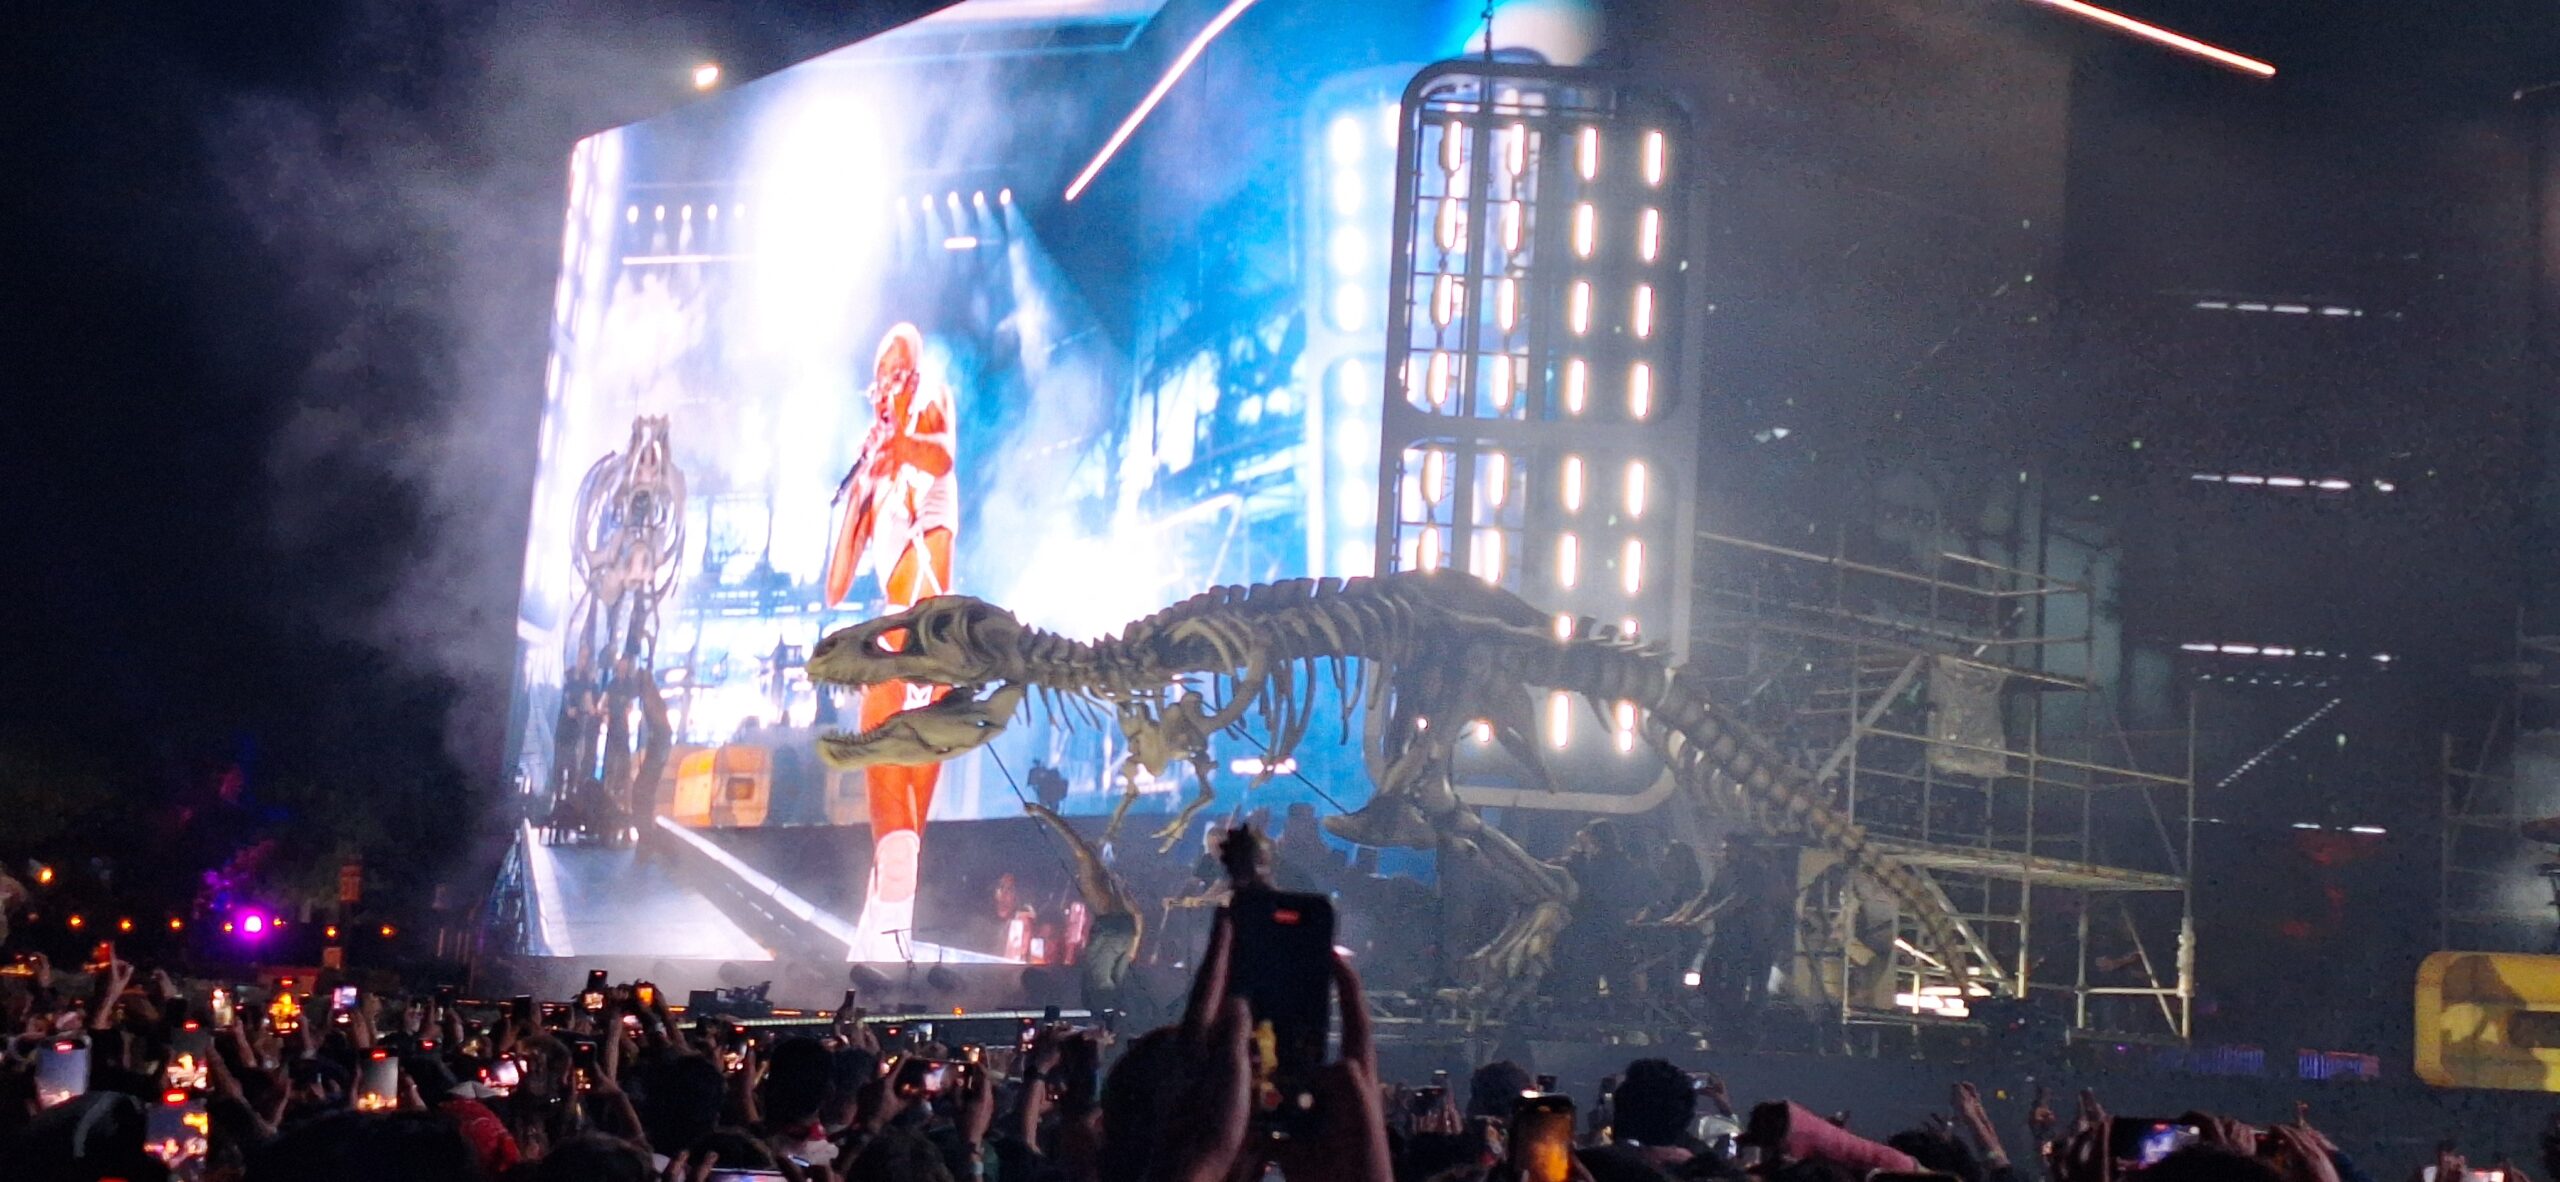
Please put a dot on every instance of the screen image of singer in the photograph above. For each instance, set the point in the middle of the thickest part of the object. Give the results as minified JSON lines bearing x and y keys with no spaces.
{"x":1076,"y":306}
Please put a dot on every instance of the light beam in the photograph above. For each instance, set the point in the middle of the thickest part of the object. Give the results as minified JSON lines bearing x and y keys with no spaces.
{"x":1146,"y":106}
{"x":2157,"y":35}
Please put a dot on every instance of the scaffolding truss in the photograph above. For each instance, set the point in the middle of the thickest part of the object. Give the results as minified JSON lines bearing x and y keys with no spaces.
{"x":2488,"y":899}
{"x":1952,"y":712}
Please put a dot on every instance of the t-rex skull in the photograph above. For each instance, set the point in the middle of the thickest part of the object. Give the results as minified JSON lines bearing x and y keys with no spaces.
{"x":945,"y":640}
{"x":960,"y":721}
{"x":949,"y":640}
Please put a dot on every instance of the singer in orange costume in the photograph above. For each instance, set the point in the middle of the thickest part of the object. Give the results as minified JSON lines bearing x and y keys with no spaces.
{"x":902,"y":504}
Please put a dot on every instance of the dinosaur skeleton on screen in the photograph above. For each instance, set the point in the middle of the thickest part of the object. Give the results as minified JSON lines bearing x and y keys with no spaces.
{"x":1426,"y":654}
{"x":612,"y":740}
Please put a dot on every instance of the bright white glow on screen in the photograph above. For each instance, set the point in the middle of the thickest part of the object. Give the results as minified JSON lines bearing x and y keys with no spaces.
{"x":1631,"y":567}
{"x":1568,"y":561}
{"x":1644,"y":311}
{"x":1586,"y":228}
{"x":1655,"y":152}
{"x":1649,"y":234}
{"x":1636,"y":477}
{"x":1572,"y":484}
{"x":1559,"y":720}
{"x":1344,"y":141}
{"x":1639,"y":390}
{"x":1588,"y":153}
{"x":1578,"y":307}
{"x":1172,"y":74}
{"x":1487,"y":563}
{"x":706,"y":75}
{"x":1512,"y":218}
{"x":1625,"y":717}
{"x":1350,"y":307}
{"x":1577,"y":378}
{"x":1515,"y":154}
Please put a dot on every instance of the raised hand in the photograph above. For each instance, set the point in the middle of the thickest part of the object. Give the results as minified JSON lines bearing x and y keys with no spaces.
{"x":1350,"y":1140}
{"x":1207,"y":1095}
{"x":1969,"y":1113}
{"x":1712,"y":1087}
{"x":977,"y":1108}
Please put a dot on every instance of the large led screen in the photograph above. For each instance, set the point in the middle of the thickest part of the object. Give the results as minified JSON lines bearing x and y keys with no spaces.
{"x":1072,"y":306}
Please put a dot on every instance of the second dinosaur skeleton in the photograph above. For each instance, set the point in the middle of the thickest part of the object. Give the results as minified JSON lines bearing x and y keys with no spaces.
{"x":1423,"y":656}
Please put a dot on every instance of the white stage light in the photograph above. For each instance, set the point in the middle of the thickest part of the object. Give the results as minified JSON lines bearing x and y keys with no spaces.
{"x":1639,"y":390}
{"x":706,"y":75}
{"x":1655,"y":154}
{"x":1577,"y":380}
{"x":1568,"y":561}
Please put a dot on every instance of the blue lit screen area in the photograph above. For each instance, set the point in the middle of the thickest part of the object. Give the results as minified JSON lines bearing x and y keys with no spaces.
{"x":1168,"y":381}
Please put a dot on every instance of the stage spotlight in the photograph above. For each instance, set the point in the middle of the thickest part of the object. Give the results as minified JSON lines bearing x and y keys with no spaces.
{"x":1004,"y":196}
{"x":253,"y":923}
{"x":44,"y":875}
{"x":77,"y":923}
{"x":176,"y":924}
{"x":124,"y":925}
{"x":389,"y":931}
{"x":706,"y":75}
{"x":942,"y":979}
{"x":868,"y":979}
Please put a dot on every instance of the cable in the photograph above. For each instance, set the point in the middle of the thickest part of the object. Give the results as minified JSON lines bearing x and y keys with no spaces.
{"x":1063,"y":863}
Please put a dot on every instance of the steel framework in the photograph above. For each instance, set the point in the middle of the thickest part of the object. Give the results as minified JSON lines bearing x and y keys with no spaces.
{"x":1952,"y":710}
{"x":2486,"y":897}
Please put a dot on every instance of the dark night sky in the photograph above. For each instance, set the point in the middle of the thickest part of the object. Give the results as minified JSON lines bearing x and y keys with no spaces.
{"x":279,"y":278}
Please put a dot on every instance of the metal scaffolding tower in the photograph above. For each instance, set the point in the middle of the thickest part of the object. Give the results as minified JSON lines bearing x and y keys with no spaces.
{"x":1952,"y":712}
{"x":2492,"y":787}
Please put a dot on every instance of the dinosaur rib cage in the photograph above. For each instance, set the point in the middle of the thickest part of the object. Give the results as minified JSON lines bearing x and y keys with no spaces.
{"x":1266,"y":645}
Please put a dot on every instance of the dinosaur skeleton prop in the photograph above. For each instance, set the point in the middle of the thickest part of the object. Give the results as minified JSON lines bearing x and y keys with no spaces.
{"x":1425,"y":654}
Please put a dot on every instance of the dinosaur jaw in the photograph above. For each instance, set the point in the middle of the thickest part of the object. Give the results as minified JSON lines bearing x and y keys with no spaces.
{"x":958,"y":722}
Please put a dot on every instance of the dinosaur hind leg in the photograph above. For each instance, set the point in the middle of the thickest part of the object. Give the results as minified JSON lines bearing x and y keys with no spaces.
{"x":1128,"y":796}
{"x":1171,"y":835}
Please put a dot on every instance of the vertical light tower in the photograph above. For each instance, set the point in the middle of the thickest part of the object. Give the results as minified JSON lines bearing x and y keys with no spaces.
{"x":1537,"y":431}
